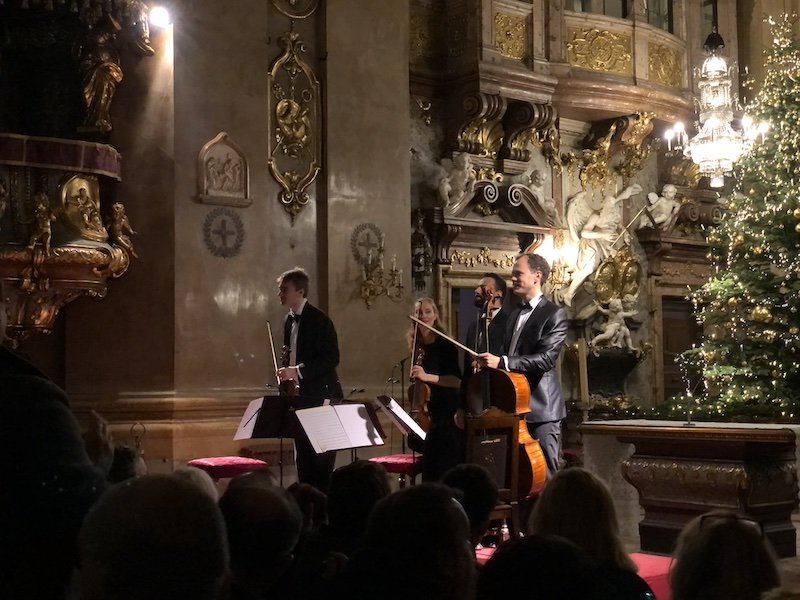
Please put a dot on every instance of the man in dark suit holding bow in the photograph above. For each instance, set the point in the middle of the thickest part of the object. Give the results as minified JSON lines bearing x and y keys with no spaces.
{"x":313,"y":356}
{"x":489,"y":297}
{"x":535,"y":333}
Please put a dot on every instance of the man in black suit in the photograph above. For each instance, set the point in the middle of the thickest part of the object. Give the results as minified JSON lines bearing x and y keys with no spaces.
{"x":489,"y":297}
{"x":535,"y":334}
{"x":313,"y":356}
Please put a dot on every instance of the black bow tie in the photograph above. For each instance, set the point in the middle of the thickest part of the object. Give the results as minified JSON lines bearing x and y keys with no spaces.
{"x":294,"y":317}
{"x":525,"y":306}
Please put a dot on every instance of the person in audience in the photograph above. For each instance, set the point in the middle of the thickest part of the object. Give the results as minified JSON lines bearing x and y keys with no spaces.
{"x":416,"y":546}
{"x":127,"y":463}
{"x":722,"y":555}
{"x":49,"y":482}
{"x":479,"y":496}
{"x":539,"y":566}
{"x":313,"y":504}
{"x":263,"y":524}
{"x":199,"y":478}
{"x":354,"y":491}
{"x":152,"y":538}
{"x":576,"y":505}
{"x":261,"y":478}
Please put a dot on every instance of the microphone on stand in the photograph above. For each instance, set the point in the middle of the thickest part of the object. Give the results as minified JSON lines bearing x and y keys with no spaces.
{"x":389,"y":382}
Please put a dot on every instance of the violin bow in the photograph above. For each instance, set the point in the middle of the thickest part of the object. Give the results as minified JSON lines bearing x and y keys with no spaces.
{"x":445,"y":336}
{"x":272,"y":347}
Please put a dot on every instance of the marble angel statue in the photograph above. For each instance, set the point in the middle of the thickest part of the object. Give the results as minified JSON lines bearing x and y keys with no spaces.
{"x":663,"y":208}
{"x":459,"y":180}
{"x":596,"y":232}
{"x":615,"y":331}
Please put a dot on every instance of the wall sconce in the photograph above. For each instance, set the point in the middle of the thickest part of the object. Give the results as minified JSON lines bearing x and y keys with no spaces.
{"x":367,"y":246}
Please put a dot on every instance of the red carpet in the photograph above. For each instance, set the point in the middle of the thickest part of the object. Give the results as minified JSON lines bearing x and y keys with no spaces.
{"x":653,"y":568}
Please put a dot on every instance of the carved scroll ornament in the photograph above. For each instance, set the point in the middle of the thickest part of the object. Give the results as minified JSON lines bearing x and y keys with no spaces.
{"x":294,"y":113}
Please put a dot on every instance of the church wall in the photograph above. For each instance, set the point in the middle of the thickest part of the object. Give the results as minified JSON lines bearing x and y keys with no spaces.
{"x":367,"y":176}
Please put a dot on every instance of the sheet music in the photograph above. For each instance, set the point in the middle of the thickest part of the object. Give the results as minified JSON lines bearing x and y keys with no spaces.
{"x":400,"y":417}
{"x":248,"y":422}
{"x":338,"y":427}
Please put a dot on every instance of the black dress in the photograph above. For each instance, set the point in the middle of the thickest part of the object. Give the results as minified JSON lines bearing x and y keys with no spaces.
{"x":444,"y":444}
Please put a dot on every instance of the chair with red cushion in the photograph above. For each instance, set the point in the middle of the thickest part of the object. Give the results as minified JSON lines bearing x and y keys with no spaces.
{"x":403,"y":465}
{"x":222,"y":467}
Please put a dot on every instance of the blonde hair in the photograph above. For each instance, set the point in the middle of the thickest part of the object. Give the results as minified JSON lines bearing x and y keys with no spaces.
{"x":415,"y":312}
{"x":577,"y":505}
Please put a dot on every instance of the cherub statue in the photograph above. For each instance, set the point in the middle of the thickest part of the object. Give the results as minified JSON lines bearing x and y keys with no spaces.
{"x":459,"y":182}
{"x":615,"y":332}
{"x":42,"y":217}
{"x":119,"y":229}
{"x":662,"y":208}
{"x":596,"y":233}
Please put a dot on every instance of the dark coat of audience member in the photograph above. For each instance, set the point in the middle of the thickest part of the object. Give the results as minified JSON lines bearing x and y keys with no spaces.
{"x":155,"y":537}
{"x":49,"y":482}
{"x":416,"y":546}
{"x":263,"y":524}
{"x":721,"y":555}
{"x":354,"y":490}
{"x":576,"y":505}
{"x":479,"y":496}
{"x":537,"y":567}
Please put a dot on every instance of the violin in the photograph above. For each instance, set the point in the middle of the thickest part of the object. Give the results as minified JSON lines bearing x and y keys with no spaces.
{"x":420,"y":394}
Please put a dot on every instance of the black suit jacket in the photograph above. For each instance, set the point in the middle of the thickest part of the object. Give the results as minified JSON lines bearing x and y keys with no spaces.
{"x":318,"y":352}
{"x":497,"y":332}
{"x":539,"y":346}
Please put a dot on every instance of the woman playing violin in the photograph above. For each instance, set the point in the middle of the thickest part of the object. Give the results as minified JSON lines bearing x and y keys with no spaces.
{"x":439,"y":370}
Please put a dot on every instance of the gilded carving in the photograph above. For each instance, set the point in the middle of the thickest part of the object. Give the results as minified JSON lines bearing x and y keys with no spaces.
{"x":664,"y":65}
{"x":223,"y":175}
{"x":294,"y":157}
{"x":599,"y":50}
{"x":424,"y":105}
{"x":510,"y":35}
{"x":618,"y":276}
{"x":635,"y":129}
{"x":484,"y":258}
{"x":120,"y":230}
{"x":481,"y":132}
{"x":41,"y":229}
{"x":80,"y":207}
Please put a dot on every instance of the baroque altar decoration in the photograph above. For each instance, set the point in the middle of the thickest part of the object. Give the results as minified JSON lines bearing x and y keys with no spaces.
{"x":59,"y":238}
{"x":295,"y":112}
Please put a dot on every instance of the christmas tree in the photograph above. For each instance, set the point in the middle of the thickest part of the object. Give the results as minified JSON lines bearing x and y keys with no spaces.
{"x":750,"y":307}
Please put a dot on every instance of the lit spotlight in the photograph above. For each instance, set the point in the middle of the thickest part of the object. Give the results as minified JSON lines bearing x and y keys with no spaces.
{"x":159,"y":17}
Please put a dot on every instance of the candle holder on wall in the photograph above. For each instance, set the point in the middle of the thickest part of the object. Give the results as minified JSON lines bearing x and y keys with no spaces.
{"x":367,"y":245}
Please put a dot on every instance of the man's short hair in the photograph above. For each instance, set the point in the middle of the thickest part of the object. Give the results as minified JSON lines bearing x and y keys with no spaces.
{"x":537,"y":262}
{"x":297,"y":277}
{"x":499,"y":283}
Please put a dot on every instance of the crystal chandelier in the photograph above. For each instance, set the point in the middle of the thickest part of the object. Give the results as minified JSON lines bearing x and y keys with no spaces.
{"x":717,"y":145}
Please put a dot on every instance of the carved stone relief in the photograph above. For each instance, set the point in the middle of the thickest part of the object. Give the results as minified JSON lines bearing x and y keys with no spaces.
{"x":665,"y":65}
{"x":510,"y":35}
{"x":223,"y":174}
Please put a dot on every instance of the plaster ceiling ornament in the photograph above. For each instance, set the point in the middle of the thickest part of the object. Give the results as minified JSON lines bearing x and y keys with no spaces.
{"x":296,"y":9}
{"x":223,"y":232}
{"x":294,"y":124}
{"x":223,"y":174}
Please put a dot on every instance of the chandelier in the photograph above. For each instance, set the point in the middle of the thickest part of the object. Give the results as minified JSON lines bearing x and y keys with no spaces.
{"x":717,"y":145}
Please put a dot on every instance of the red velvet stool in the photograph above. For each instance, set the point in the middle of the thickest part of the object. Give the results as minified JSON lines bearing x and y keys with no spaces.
{"x":403,"y":465}
{"x":222,"y":467}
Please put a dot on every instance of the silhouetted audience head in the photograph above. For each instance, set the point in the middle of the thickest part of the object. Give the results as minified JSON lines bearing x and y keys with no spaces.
{"x":423,"y":533}
{"x":479,"y":496}
{"x":575,"y":504}
{"x":313,"y":504}
{"x":353,"y":493}
{"x":537,"y":566}
{"x":126,"y":464}
{"x":263,"y":524}
{"x":199,"y":478}
{"x":151,"y":538}
{"x":49,"y":483}
{"x":261,"y":478}
{"x":722,"y":555}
